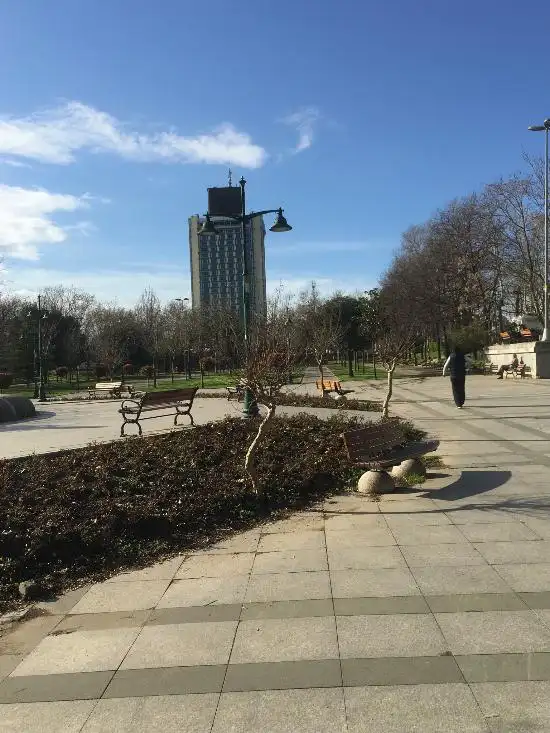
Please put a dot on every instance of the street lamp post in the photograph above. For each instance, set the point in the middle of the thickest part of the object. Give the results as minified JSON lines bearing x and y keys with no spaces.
{"x":186,"y":355}
{"x":250,"y":408}
{"x":544,"y":128}
{"x":40,"y":388}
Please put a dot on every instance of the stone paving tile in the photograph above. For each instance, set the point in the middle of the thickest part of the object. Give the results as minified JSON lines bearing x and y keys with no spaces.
{"x":423,"y":708}
{"x":449,"y":580}
{"x":162,"y":714}
{"x":494,"y":632}
{"x":287,"y":609}
{"x":283,"y":675}
{"x":524,"y":577}
{"x":243,"y":542}
{"x":498,"y":532}
{"x":123,"y":596}
{"x":397,"y":635}
{"x":50,"y":687}
{"x":47,"y":717}
{"x":216,"y":566}
{"x":501,"y":553}
{"x":428,"y":534}
{"x":303,"y":540}
{"x":536,"y":600}
{"x":159,"y":571}
{"x":290,"y":561}
{"x":94,"y":621}
{"x":204,"y":591}
{"x":353,"y":538}
{"x":8,"y":662}
{"x":460,"y":554}
{"x":376,"y":582}
{"x":282,"y":711}
{"x":282,"y":640}
{"x":181,"y":645}
{"x":167,"y":681}
{"x":362,"y":557}
{"x":65,"y":602}
{"x":540,"y":526}
{"x":22,"y":637}
{"x":415,"y":519}
{"x":356,"y":522}
{"x":476,"y":602}
{"x":505,"y":667}
{"x":195,"y":614}
{"x":400,"y":671}
{"x":288,"y":587}
{"x":389,"y":605}
{"x":515,"y":706}
{"x":481,"y":516}
{"x":81,"y":651}
{"x":296,"y":522}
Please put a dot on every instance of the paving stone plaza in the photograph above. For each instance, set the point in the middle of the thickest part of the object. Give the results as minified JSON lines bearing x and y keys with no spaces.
{"x":427,"y":611}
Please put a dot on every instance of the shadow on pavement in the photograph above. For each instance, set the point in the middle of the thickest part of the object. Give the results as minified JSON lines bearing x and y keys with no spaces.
{"x":470,"y":483}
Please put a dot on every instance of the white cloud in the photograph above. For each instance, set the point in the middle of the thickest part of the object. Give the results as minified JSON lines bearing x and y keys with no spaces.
{"x":26,"y":219}
{"x":14,"y":163}
{"x":304,"y":121}
{"x":54,"y":136}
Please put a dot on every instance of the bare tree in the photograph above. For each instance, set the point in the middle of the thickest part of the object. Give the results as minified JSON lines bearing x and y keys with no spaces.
{"x":399,"y":328}
{"x":149,"y":316}
{"x":271,"y":356}
{"x":319,"y":326}
{"x":111,"y":331}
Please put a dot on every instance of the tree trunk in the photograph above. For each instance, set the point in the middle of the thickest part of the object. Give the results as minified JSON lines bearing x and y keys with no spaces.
{"x":202,"y":376}
{"x":154,"y":371}
{"x":386,"y":405}
{"x":350,"y":363}
{"x":172,"y":369}
{"x":321,"y":376}
{"x":249,"y":462}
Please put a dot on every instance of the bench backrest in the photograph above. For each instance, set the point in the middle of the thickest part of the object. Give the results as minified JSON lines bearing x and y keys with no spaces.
{"x":169,"y":397}
{"x":368,"y":443}
{"x":108,"y":385}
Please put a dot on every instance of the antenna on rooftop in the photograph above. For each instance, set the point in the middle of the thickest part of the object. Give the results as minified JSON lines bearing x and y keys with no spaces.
{"x":229,"y":177}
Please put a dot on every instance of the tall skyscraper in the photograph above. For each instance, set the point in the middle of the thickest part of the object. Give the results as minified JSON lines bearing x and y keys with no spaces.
{"x":217,"y":268}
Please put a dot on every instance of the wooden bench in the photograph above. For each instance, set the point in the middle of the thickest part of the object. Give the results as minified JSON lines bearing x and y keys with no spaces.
{"x":383,"y":445}
{"x":236,"y":392}
{"x":329,"y":386}
{"x":111,"y":389}
{"x":521,"y":371}
{"x":179,"y":400}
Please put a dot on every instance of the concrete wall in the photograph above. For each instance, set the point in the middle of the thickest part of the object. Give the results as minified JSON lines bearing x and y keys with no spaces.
{"x":535,"y":354}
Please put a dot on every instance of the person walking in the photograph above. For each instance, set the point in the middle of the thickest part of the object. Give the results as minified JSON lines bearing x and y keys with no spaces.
{"x":456,"y":365}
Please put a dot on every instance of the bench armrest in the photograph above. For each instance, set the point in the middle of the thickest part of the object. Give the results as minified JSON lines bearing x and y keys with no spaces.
{"x":130,"y":403}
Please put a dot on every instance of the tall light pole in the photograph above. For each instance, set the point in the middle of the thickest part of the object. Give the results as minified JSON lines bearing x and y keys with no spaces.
{"x":544,"y":128}
{"x":250,"y":408}
{"x":187,"y":356}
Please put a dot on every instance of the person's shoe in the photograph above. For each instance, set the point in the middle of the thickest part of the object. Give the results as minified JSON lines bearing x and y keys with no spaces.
{"x":459,"y":407}
{"x":499,"y":377}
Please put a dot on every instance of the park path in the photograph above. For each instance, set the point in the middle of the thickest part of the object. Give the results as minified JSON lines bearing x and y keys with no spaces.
{"x":426,"y":611}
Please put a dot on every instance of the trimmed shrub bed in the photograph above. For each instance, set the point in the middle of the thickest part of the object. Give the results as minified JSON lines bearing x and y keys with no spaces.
{"x":289,"y":399}
{"x":81,"y":514}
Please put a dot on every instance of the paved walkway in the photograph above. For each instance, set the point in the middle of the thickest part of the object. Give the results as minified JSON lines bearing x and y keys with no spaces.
{"x":428,"y":611}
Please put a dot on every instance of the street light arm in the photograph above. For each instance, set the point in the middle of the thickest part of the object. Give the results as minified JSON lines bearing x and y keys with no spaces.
{"x":253,"y":214}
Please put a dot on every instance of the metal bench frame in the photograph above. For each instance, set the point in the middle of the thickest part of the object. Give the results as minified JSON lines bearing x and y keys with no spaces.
{"x":382,"y":445}
{"x":179,"y":399}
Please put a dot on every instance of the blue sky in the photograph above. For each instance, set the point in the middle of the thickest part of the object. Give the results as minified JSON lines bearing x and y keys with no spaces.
{"x":359,"y":118}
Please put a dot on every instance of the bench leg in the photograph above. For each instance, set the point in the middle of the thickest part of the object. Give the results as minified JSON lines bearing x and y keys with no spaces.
{"x":184,"y":412}
{"x":130,"y":422}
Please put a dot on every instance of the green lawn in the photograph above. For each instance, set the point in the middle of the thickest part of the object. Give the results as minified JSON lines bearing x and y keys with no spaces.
{"x":341,"y":372}
{"x":58,"y":389}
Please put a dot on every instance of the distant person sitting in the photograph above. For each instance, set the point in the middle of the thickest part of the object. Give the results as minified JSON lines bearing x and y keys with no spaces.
{"x":508,"y":367}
